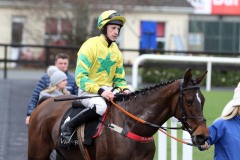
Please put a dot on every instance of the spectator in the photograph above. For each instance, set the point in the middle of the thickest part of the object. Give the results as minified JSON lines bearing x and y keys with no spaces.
{"x":61,"y":62}
{"x":224,"y":133}
{"x":58,"y":83}
{"x":99,"y":69}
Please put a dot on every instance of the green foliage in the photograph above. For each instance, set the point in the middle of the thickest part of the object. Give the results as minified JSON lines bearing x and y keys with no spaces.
{"x":153,"y":75}
{"x":220,"y":78}
{"x":225,"y":78}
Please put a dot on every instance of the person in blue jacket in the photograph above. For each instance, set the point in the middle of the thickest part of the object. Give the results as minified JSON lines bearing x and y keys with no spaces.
{"x":224,"y":133}
{"x":58,"y":84}
{"x":61,"y":62}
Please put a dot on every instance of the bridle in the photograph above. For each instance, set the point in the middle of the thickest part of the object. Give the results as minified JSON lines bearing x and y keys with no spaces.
{"x":185,"y":116}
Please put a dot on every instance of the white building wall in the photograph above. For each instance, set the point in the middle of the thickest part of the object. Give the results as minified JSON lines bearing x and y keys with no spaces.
{"x":5,"y":27}
{"x":5,"y":30}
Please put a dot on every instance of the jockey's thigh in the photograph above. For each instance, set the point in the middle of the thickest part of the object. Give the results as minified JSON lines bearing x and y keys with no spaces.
{"x":99,"y":102}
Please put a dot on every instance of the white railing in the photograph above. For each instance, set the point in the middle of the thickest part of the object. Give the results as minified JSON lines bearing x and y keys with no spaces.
{"x":208,"y":60}
{"x":162,"y":144}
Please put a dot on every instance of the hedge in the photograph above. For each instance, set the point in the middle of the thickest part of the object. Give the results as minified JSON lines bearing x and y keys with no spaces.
{"x":220,"y":77}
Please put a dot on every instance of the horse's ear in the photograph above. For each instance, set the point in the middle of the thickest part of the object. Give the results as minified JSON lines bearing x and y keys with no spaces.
{"x":187,"y":76}
{"x":200,"y":78}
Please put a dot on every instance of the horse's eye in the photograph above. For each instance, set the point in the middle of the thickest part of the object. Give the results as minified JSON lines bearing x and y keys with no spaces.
{"x":189,"y":101}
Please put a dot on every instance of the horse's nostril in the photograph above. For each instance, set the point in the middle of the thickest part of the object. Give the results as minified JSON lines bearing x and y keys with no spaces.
{"x":200,"y":139}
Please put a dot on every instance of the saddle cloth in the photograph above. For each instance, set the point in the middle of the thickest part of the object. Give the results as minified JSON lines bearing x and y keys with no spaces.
{"x":90,"y":130}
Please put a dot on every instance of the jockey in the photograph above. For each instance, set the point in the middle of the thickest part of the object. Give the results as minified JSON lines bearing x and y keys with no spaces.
{"x":99,"y":68}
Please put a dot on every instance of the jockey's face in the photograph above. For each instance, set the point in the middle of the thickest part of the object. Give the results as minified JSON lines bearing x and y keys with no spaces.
{"x":113,"y":32}
{"x":62,"y":64}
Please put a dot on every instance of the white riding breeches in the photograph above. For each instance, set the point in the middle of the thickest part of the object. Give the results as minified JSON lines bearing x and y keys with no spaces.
{"x":99,"y":102}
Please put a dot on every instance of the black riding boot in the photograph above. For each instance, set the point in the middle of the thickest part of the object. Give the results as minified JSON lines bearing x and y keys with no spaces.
{"x":82,"y":117}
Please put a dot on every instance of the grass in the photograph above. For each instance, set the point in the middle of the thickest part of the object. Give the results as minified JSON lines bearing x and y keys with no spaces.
{"x":214,"y":104}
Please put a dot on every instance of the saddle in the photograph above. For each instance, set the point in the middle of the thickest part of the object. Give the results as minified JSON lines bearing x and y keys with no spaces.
{"x":89,"y":130}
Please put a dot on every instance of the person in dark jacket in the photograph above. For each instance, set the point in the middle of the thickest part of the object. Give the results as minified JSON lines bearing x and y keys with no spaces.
{"x":61,"y":62}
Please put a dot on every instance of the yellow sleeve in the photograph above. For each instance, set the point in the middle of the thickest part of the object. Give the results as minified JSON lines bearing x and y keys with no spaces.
{"x":84,"y":63}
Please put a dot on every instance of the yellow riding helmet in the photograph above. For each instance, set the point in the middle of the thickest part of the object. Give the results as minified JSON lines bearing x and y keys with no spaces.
{"x":110,"y":17}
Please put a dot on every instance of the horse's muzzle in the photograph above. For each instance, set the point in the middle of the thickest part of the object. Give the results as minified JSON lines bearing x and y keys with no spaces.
{"x":199,"y":139}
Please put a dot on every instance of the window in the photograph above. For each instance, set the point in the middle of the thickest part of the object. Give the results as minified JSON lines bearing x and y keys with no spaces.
{"x":18,"y":29}
{"x":58,"y":29}
{"x":66,"y":26}
{"x":220,"y":34}
{"x":161,"y":35}
{"x":18,"y":36}
{"x":152,"y":35}
{"x":160,"y":29}
{"x":51,"y":26}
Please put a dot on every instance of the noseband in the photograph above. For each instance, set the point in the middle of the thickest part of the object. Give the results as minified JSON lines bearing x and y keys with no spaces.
{"x":185,"y":117}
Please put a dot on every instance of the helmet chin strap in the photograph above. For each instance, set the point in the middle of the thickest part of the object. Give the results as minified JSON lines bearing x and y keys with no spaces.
{"x":108,"y":40}
{"x":104,"y":32}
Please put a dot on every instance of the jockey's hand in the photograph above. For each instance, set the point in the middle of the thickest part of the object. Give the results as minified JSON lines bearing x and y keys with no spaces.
{"x":108,"y":95}
{"x":126,"y":91}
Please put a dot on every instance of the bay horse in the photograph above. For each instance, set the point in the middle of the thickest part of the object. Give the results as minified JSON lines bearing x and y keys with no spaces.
{"x":181,"y":98}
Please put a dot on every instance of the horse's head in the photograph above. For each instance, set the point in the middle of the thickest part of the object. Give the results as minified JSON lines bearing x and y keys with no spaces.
{"x":189,"y":108}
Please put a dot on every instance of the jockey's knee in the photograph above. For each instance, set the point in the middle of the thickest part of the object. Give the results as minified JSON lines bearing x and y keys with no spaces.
{"x":101,"y":109}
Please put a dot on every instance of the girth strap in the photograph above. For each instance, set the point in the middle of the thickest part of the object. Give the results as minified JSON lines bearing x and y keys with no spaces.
{"x":130,"y":134}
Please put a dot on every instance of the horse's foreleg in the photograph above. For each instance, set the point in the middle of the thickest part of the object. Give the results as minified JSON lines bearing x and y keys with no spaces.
{"x":39,"y":152}
{"x":38,"y":147}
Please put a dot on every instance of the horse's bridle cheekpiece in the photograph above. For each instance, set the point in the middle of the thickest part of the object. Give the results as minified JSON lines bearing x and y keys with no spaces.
{"x":185,"y":117}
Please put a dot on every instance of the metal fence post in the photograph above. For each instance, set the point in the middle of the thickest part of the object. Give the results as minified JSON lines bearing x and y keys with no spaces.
{"x":5,"y":62}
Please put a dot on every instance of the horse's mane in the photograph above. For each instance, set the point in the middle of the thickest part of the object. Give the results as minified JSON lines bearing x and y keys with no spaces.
{"x":142,"y":91}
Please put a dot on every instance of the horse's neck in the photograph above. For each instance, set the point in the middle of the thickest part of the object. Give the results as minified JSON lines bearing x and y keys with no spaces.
{"x":154,"y":106}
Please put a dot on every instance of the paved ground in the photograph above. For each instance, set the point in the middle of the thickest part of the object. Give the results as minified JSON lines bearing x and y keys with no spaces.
{"x":14,"y":96}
